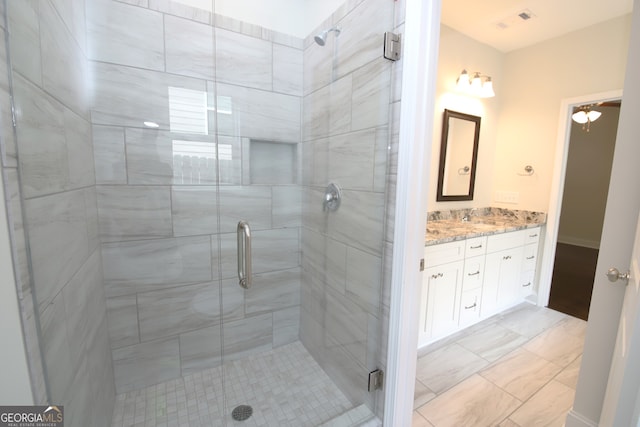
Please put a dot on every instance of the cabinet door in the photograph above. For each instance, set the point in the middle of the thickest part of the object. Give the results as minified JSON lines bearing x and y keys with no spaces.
{"x":441,"y":305}
{"x":501,"y":280}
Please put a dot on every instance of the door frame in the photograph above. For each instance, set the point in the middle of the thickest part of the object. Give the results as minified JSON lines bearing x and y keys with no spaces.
{"x":421,"y":40}
{"x":557,"y":186}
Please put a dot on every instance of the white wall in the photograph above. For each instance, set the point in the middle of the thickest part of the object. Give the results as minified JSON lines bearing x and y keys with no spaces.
{"x":295,"y":17}
{"x":587,"y":180}
{"x":15,"y":386}
{"x":458,"y":52}
{"x":535,"y":80}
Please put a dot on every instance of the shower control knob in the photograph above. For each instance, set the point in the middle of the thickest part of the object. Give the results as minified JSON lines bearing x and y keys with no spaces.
{"x":332,"y":198}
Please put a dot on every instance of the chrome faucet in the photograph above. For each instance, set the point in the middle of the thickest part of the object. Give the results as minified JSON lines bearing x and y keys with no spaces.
{"x":468,"y":215}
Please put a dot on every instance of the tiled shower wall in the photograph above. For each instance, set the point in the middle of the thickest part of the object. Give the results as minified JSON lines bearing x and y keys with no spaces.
{"x":167,"y":228}
{"x":348,"y":107}
{"x":50,"y":182}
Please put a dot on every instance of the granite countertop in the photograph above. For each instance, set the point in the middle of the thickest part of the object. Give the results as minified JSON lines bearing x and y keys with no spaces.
{"x":448,"y":226}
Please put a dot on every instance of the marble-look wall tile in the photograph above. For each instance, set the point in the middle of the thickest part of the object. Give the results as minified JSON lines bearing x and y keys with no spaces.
{"x":243,"y":60}
{"x":364,"y":279}
{"x":250,"y":203}
{"x":359,"y":221}
{"x":7,"y":139}
{"x":351,"y":159}
{"x":24,"y":38}
{"x":346,"y":323}
{"x":55,"y":347}
{"x":109,"y":155}
{"x":171,"y":311}
{"x":122,"y":317}
{"x":271,"y":163}
{"x":58,"y":240}
{"x":362,"y":35}
{"x":200,"y":349}
{"x":79,"y":150}
{"x":110,"y":38}
{"x":316,"y":114}
{"x":287,"y":70}
{"x":259,"y":114}
{"x":247,"y":336}
{"x":233,"y":300}
{"x":66,"y":67}
{"x":273,"y":291}
{"x":286,"y":326}
{"x":131,"y":267}
{"x":382,"y":148}
{"x":264,"y":257}
{"x":313,"y":216}
{"x":341,"y":92}
{"x":194,"y":210}
{"x":157,"y":157}
{"x":370,"y":96}
{"x":141,"y":3}
{"x":126,"y":96}
{"x":44,"y":167}
{"x":285,"y":206}
{"x":189,"y":48}
{"x":134,"y":212}
{"x":73,"y":14}
{"x":101,"y":377}
{"x":325,"y":259}
{"x":317,"y":65}
{"x":145,"y":364}
{"x":182,"y":10}
{"x":91,"y":218}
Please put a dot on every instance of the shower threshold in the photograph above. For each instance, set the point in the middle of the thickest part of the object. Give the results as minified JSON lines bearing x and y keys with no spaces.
{"x":284,"y":386}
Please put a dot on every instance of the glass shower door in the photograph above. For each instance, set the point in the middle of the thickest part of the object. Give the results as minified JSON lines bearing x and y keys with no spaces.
{"x":295,"y":115}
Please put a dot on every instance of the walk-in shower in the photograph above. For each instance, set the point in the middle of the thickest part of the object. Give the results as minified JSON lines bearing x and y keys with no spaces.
{"x":321,"y":38}
{"x":126,"y":260}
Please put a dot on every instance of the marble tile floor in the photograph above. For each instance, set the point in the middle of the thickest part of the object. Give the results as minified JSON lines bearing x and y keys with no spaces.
{"x":515,"y":369}
{"x":285,"y":387}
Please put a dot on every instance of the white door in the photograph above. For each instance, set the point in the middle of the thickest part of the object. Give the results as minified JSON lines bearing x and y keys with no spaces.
{"x":624,"y":378}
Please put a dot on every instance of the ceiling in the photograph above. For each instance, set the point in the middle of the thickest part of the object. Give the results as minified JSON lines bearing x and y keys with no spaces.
{"x":550,"y":18}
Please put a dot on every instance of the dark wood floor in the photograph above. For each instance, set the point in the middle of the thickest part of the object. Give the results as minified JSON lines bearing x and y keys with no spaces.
{"x":572,"y":284}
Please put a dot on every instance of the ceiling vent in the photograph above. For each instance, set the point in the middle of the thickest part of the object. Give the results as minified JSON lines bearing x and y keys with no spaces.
{"x":515,"y":20}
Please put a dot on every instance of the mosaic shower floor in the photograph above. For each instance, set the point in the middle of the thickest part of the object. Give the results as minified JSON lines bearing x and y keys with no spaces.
{"x":285,"y":387}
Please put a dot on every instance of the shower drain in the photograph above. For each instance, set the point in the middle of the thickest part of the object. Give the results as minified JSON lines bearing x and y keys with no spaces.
{"x":242,"y":412}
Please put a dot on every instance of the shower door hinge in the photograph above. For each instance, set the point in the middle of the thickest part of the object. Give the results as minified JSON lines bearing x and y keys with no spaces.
{"x":422,"y":264}
{"x":392,"y":46}
{"x":375,"y":380}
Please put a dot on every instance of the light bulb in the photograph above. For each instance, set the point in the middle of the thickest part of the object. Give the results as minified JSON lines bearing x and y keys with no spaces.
{"x":487,"y":89}
{"x":463,"y":80}
{"x":593,"y":115}
{"x":580,"y":117}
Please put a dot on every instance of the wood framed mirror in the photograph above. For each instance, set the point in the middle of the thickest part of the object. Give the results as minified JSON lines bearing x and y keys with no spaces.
{"x":458,"y":156}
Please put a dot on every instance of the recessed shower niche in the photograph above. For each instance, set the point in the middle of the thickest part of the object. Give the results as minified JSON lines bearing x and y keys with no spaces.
{"x":269,"y":162}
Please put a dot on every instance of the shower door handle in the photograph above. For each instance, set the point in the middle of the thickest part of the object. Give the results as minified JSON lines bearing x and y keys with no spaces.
{"x":244,"y":254}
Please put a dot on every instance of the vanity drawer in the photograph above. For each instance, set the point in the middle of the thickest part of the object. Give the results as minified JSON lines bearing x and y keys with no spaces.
{"x":475,"y":246}
{"x":444,"y":253}
{"x":532,"y":235}
{"x":469,"y":307}
{"x":530,"y":257}
{"x":500,"y":242}
{"x":473,"y":273}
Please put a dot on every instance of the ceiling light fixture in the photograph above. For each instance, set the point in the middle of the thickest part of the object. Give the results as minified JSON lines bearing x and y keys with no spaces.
{"x":479,"y":85}
{"x":584,"y":115}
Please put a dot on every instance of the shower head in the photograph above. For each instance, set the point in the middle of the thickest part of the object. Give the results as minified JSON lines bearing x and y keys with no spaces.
{"x":321,"y":38}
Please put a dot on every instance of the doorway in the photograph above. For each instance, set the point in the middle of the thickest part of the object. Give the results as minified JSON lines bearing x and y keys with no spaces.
{"x":588,"y":169}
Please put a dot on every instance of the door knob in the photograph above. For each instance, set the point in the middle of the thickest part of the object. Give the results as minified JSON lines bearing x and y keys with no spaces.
{"x":614,"y":275}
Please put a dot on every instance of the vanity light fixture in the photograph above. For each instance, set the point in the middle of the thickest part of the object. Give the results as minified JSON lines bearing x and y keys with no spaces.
{"x":585,"y":115}
{"x":479,"y":85}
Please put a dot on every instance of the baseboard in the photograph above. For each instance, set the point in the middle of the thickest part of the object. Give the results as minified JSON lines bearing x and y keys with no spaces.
{"x":575,"y":241}
{"x":576,"y":420}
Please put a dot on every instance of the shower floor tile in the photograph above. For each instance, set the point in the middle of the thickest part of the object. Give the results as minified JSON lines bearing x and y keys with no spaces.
{"x":285,"y":387}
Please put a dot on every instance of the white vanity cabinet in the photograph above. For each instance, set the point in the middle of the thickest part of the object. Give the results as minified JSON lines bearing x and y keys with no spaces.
{"x":529,"y":262}
{"x":469,"y":280}
{"x":441,"y":289}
